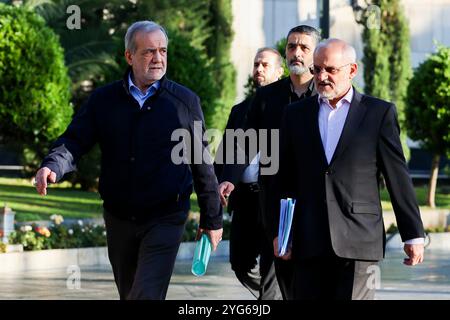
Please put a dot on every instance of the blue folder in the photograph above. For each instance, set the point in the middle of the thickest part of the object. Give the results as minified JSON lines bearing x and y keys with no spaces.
{"x":287,"y":207}
{"x":202,"y":253}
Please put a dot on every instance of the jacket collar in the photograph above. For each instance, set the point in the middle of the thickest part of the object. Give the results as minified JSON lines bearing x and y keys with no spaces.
{"x":310,"y":91}
{"x":355,"y":116}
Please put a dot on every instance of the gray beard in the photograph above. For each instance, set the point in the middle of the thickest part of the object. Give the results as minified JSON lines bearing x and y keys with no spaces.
{"x":298,"y":70}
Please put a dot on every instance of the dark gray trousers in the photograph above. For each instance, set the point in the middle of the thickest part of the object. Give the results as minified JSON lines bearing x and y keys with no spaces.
{"x":334,"y":278}
{"x":248,"y":243}
{"x":143,"y":255}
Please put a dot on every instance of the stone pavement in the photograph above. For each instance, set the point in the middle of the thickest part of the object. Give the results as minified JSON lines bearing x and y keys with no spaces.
{"x":431,"y":280}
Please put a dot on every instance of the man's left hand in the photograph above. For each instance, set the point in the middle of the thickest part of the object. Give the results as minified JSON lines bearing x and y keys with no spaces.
{"x":415,"y":254}
{"x":215,"y":236}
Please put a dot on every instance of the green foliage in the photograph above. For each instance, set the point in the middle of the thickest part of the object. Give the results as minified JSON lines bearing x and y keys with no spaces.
{"x":250,"y":87}
{"x":386,"y":60}
{"x":183,"y":64}
{"x":428,"y":112}
{"x":281,"y":47}
{"x":35,"y":88}
{"x":437,"y":229}
{"x":190,"y":230}
{"x":392,"y":228}
{"x":442,"y":197}
{"x":218,"y":47}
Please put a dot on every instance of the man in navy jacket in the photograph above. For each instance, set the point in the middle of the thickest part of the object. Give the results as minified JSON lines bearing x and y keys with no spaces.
{"x":145,"y":192}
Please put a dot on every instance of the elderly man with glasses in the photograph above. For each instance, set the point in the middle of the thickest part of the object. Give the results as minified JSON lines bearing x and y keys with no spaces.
{"x":334,"y":146}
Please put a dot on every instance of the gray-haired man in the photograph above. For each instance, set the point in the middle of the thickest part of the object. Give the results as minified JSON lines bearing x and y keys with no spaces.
{"x":146,"y":195}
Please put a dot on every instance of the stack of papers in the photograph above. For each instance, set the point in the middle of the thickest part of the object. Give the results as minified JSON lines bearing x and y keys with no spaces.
{"x":287,"y":207}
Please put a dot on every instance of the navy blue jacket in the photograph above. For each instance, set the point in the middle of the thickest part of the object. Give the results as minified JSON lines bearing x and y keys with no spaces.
{"x":138,"y":179}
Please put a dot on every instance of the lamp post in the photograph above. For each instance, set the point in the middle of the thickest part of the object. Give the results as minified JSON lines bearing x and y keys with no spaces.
{"x":6,"y":223}
{"x":325,"y":18}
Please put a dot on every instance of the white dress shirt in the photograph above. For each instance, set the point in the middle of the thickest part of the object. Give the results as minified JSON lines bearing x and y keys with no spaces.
{"x":250,"y":174}
{"x":331,"y":124}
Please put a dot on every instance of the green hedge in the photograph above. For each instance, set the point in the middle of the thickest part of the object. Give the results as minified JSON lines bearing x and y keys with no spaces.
{"x":34,"y":86}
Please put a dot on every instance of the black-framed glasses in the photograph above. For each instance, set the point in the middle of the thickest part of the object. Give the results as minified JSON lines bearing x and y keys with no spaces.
{"x":331,"y":70}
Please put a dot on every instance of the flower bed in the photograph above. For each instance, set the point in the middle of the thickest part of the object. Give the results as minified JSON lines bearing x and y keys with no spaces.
{"x":59,"y":236}
{"x":82,"y":235}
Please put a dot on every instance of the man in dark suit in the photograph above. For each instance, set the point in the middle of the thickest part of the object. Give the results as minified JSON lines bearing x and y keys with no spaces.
{"x":333,"y":148}
{"x":246,"y":234}
{"x":265,"y":114}
{"x":145,"y":193}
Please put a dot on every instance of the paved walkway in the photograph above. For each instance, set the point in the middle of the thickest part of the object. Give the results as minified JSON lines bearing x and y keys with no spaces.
{"x":431,"y":280}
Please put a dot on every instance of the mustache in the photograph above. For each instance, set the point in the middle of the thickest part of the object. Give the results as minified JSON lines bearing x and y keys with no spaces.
{"x":325,"y":82}
{"x":296,"y":60}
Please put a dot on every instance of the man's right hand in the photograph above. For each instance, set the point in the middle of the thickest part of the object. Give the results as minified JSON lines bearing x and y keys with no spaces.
{"x":225,"y":188}
{"x":286,"y":256}
{"x":42,"y":176}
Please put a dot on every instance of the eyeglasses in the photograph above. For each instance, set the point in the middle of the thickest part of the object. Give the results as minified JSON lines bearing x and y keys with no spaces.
{"x":331,"y":70}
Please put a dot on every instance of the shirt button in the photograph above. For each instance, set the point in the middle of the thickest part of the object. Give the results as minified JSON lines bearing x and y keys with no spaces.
{"x":149,"y":108}
{"x":132,"y":159}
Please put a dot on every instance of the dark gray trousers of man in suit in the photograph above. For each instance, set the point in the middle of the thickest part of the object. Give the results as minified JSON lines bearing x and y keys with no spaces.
{"x":334,"y":278}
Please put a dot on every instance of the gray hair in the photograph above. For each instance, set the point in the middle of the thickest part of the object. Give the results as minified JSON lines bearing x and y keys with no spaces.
{"x":274,"y":51}
{"x":348,"y":50}
{"x":144,"y":26}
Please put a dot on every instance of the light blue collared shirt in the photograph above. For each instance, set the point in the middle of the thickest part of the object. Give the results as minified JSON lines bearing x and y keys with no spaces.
{"x":138,"y":94}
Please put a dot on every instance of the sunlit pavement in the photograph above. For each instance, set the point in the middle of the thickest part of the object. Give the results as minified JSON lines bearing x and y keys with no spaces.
{"x":430,"y":280}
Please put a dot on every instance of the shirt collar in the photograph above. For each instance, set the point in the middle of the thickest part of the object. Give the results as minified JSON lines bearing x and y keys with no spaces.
{"x":155,"y":86}
{"x":347,"y":98}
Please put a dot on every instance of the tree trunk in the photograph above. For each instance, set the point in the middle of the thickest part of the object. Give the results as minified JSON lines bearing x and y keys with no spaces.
{"x":433,"y":181}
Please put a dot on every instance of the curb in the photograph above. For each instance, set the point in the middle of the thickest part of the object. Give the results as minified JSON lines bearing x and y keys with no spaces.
{"x":82,"y":257}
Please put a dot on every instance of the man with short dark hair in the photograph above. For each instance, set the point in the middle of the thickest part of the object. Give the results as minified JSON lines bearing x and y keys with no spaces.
{"x":246,"y":234}
{"x":146,"y":195}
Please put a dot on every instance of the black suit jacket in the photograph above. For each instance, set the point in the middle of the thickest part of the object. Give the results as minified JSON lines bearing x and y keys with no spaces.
{"x":266,"y":111}
{"x":338,"y":204}
{"x":236,"y":120}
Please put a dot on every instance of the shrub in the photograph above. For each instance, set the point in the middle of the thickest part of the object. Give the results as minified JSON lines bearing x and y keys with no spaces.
{"x":428,"y":113}
{"x":34,"y":86}
{"x":392,"y":229}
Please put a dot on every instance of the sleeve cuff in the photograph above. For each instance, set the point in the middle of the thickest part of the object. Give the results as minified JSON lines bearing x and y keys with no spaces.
{"x":415,"y":241}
